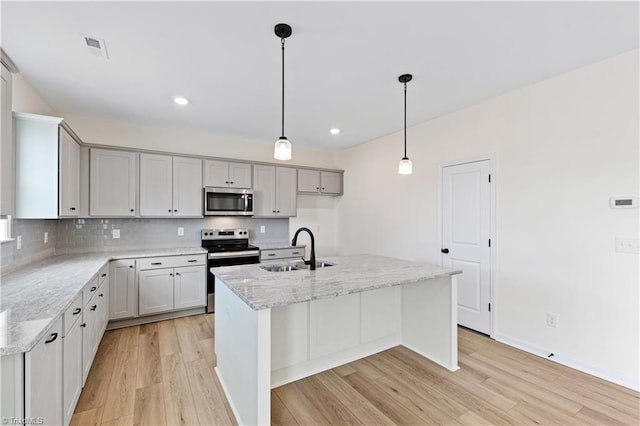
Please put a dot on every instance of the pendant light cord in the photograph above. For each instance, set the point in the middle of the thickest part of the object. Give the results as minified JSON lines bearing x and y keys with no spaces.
{"x":405,"y":120}
{"x":282,"y":41}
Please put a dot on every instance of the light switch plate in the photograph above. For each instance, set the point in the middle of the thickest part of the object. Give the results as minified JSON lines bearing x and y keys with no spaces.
{"x":46,"y":237}
{"x":262,"y":229}
{"x":180,"y":232}
{"x":18,"y":242}
{"x":627,"y":245}
{"x":115,"y":233}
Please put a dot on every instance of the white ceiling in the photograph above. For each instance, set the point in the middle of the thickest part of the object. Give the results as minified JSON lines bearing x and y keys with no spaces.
{"x":342,"y":61}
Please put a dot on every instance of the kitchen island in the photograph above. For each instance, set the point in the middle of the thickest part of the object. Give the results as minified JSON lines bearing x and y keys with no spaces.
{"x":273,"y":328}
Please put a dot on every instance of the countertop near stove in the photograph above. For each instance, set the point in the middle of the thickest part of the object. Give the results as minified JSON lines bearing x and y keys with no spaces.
{"x":34,"y":297}
{"x":261,"y":289}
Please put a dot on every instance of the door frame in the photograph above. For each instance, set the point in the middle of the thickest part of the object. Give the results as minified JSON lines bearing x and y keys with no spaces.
{"x":492,"y":224}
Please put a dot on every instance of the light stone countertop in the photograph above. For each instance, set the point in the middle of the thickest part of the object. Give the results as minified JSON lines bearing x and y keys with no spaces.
{"x":262,"y":289}
{"x":32,"y":298}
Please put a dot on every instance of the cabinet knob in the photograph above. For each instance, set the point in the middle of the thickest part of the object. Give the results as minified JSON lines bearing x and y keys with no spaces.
{"x":177,"y":273}
{"x":101,"y":295}
{"x":132,"y":210}
{"x":323,"y":188}
{"x":103,"y":275}
{"x":226,"y":181}
{"x":274,"y":211}
{"x":54,"y":336}
{"x":93,"y":308}
{"x":83,"y":324}
{"x":72,"y":208}
{"x":130,"y":266}
{"x":317,"y":188}
{"x":169,"y":210}
{"x":231,"y":182}
{"x":277,"y":211}
{"x":176,"y":210}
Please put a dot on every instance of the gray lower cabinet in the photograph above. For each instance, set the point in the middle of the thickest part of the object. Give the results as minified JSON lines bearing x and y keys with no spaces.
{"x":123,"y":301}
{"x":156,"y":291}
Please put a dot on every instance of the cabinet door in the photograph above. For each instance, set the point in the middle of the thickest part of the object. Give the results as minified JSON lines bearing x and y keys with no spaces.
{"x":216,"y":173}
{"x":89,"y":327}
{"x":239,"y":175}
{"x":286,"y":192}
{"x":112,"y":183}
{"x":190,"y":287}
{"x":330,"y":182}
{"x":155,"y":291}
{"x":308,"y":180}
{"x":156,"y":180}
{"x":187,"y":187}
{"x":334,"y":324}
{"x":103,"y":313}
{"x":6,"y":145}
{"x":71,"y":370}
{"x":69,"y":179}
{"x":122,"y":289}
{"x":264,"y":190}
{"x":43,"y":377}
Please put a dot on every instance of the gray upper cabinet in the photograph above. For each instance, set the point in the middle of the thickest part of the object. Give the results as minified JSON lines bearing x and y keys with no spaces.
{"x":170,"y":186}
{"x":319,"y":182}
{"x":112,"y":183}
{"x":6,"y":145}
{"x":274,"y":191}
{"x":47,"y":168}
{"x":227,"y":174}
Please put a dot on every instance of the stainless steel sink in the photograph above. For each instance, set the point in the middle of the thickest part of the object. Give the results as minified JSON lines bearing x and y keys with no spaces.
{"x":319,"y":264}
{"x":279,"y":268}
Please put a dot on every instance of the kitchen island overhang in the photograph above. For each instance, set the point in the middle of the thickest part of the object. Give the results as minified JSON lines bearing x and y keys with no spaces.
{"x":273,"y":328}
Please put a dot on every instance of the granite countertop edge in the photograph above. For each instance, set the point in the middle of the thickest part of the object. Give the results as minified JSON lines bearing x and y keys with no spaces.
{"x":99,"y":258}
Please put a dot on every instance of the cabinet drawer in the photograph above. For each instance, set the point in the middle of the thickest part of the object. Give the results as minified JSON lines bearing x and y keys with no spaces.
{"x":171,"y":261}
{"x":89,"y":290}
{"x":103,"y":275}
{"x":72,"y":313}
{"x":281,"y":253}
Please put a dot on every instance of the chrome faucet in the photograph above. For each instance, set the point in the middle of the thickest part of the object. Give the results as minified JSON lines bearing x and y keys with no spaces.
{"x":311,"y":262}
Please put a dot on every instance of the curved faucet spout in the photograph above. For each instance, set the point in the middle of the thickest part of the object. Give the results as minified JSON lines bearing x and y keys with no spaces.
{"x":311,"y":262}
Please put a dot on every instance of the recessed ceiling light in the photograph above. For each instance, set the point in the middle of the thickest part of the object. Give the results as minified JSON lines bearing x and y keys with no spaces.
{"x":180,"y":100}
{"x":334,"y":131}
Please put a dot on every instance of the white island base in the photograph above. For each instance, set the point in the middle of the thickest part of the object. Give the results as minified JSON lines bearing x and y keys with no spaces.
{"x":258,"y":350}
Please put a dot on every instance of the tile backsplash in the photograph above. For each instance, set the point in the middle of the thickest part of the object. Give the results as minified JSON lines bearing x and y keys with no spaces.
{"x":33,"y":247}
{"x":71,"y":236}
{"x":84,"y":235}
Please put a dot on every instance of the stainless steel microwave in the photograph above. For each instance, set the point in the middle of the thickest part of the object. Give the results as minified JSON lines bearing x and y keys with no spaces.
{"x":228,"y":202}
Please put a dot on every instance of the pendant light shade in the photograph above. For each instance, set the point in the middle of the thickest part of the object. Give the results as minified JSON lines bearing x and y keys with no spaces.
{"x":282,"y":148}
{"x":405,"y":167}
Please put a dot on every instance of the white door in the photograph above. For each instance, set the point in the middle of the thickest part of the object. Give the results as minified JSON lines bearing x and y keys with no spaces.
{"x":308,"y":180}
{"x":156,"y":179}
{"x":216,"y":173}
{"x":466,"y":233}
{"x":264,"y":190}
{"x":112,"y":183}
{"x":187,"y":187}
{"x":155,"y":291}
{"x":122,"y":290}
{"x":71,"y":370}
{"x":330,"y":182}
{"x":69,"y":179}
{"x":239,"y":175}
{"x":286,"y":191}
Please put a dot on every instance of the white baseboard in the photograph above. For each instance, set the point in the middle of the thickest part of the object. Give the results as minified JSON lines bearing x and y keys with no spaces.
{"x":632,"y":383}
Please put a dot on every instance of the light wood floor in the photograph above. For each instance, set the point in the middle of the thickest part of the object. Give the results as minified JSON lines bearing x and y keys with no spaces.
{"x":162,"y":373}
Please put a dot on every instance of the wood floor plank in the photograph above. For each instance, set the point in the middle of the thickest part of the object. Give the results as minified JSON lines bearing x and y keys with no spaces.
{"x":121,"y":394}
{"x":201,"y":328}
{"x":591,"y":417}
{"x":149,"y":406}
{"x":179,"y":405}
{"x":332,"y":407}
{"x":300,"y":407}
{"x":397,"y":412}
{"x":149,"y":366}
{"x":88,"y":417}
{"x":187,"y":340}
{"x":208,"y":352}
{"x":280,"y":414}
{"x":472,"y":419}
{"x":168,"y":338}
{"x":208,"y":401}
{"x":120,"y":421}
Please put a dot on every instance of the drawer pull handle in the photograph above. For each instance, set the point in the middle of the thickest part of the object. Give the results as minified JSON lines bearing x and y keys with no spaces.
{"x":156,"y":263}
{"x":72,"y":208}
{"x":131,"y":266}
{"x":93,"y":308}
{"x":192,"y":260}
{"x":103,"y":275}
{"x":93,"y":288}
{"x":77,"y":311}
{"x":170,"y":275}
{"x":54,"y":336}
{"x":101,"y":295}
{"x":271,"y":254}
{"x":295,"y":252}
{"x":84,"y":324}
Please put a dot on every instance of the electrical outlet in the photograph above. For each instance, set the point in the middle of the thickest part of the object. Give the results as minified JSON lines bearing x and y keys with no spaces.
{"x":627,"y":245}
{"x":180,"y":232}
{"x":552,"y":320}
{"x":46,"y":237}
{"x":115,"y":233}
{"x":262,"y":229}
{"x":18,"y":242}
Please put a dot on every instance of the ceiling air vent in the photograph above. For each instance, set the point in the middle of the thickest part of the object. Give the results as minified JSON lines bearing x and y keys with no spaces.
{"x":95,"y":46}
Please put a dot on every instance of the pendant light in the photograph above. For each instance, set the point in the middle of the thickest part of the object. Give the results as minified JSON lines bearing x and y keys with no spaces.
{"x":282,"y":149}
{"x":405,"y":166}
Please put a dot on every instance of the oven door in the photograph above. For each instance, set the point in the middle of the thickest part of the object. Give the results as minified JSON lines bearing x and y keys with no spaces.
{"x":228,"y":202}
{"x":225,"y":259}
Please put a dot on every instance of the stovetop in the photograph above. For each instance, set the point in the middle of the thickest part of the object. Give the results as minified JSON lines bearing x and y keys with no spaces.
{"x":226,"y":240}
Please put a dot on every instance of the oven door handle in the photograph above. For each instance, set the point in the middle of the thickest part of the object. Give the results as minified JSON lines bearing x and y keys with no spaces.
{"x":230,"y":254}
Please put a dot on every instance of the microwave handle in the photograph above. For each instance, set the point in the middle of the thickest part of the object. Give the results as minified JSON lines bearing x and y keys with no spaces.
{"x":246,"y":202}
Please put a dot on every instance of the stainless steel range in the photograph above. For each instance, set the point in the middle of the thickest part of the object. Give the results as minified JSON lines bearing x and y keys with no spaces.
{"x":226,"y":247}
